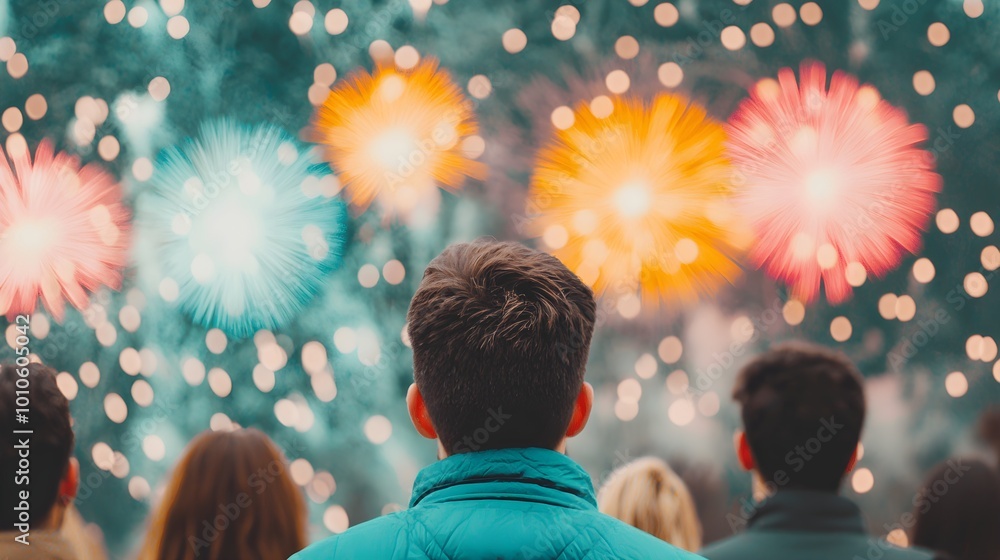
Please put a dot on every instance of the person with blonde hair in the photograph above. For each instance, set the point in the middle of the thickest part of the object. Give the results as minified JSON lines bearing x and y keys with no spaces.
{"x":648,"y":495}
{"x":230,"y":496}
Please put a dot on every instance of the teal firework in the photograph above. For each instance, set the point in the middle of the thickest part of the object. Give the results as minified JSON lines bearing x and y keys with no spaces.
{"x":244,"y":227}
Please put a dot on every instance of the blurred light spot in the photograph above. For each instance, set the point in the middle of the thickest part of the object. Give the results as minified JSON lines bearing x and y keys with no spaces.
{"x":887,"y":306}
{"x":67,"y":385}
{"x":626,"y":411}
{"x":840,"y":329}
{"x":514,"y":40}
{"x":89,"y":374}
{"x":562,"y":117}
{"x":975,"y":284}
{"x":670,"y":74}
{"x":335,"y":21}
{"x":215,"y":341}
{"x":811,"y":13}
{"x":407,"y":57}
{"x":947,"y":220}
{"x":368,"y":275}
{"x":681,"y":412}
{"x":733,"y":38}
{"x":923,"y":82}
{"x":670,"y":349}
{"x":138,"y":16}
{"x":906,"y":308}
{"x":178,"y":27}
{"x":220,"y":382}
{"x":378,"y":429}
{"x":855,"y":274}
{"x":666,"y":14}
{"x":762,"y":35}
{"x":981,"y":224}
{"x":193,"y":371}
{"x":956,"y":384}
{"x":142,"y":393}
{"x":480,"y":86}
{"x":708,"y":404}
{"x":973,"y":8}
{"x":938,"y":34}
{"x":627,"y":47}
{"x":862,"y":481}
{"x":114,"y":11}
{"x":783,"y":15}
{"x":301,"y":471}
{"x":345,"y":339}
{"x":645,"y":366}
{"x":677,"y":382}
{"x":793,"y":312}
{"x":923,"y":270}
{"x":335,"y":519}
{"x":617,"y":81}
{"x":153,"y":447}
{"x":263,"y":378}
{"x":115,"y":408}
{"x":963,"y":116}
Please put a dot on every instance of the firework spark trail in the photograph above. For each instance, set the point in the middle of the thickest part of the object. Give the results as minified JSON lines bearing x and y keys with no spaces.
{"x":833,"y":180}
{"x":64,"y":231}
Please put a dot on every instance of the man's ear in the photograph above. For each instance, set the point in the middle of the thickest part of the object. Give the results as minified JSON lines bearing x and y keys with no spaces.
{"x":418,"y":413}
{"x":854,"y":461}
{"x":581,"y":410}
{"x":70,"y":482}
{"x":743,"y":453}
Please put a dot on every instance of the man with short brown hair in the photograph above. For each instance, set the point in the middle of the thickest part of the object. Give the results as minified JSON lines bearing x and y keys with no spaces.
{"x":40,"y":474}
{"x":500,"y":336}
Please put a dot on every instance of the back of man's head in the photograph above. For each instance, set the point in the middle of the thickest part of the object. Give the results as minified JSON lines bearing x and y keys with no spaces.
{"x":45,"y":459}
{"x":500,"y":336}
{"x":803,"y":407}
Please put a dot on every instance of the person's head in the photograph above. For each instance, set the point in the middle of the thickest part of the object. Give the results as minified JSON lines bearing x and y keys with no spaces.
{"x":31,"y":392}
{"x":802,"y":407}
{"x":957,"y":511}
{"x":500,"y":336}
{"x":648,"y":495}
{"x":230,"y":496}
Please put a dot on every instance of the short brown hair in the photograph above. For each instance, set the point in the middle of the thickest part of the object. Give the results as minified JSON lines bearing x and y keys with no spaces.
{"x":803,"y":406}
{"x":51,"y":441}
{"x":500,"y":336}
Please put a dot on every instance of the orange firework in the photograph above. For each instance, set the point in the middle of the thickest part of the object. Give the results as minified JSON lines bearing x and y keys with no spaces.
{"x":395,"y":135}
{"x":636,"y":198}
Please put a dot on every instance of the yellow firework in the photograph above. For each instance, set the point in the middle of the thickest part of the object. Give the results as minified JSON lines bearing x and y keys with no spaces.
{"x":634,"y":197}
{"x":395,"y":135}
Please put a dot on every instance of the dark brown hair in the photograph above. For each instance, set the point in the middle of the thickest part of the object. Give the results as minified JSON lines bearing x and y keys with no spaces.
{"x":803,"y":407}
{"x":500,"y":336}
{"x":51,"y":440}
{"x":958,"y":511}
{"x":230,"y":496}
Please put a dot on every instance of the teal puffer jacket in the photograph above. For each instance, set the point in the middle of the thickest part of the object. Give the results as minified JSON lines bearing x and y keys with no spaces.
{"x":504,"y":504}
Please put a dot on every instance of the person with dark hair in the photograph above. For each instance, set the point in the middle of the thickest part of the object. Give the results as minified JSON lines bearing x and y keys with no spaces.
{"x":957,"y":511}
{"x":500,"y":336}
{"x":802,"y":408}
{"x":39,"y":473}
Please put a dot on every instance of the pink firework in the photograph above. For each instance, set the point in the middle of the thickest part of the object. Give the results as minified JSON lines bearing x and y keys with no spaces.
{"x":831,"y":181}
{"x":63,"y":231}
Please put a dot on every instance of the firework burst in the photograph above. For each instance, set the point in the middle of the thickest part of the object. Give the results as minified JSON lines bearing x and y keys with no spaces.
{"x":635,"y":198}
{"x":395,"y":135}
{"x":832,"y":181}
{"x":244,"y":226}
{"x":63,"y":231}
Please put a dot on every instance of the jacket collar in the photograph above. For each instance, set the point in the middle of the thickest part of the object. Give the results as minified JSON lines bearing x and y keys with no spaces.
{"x":529,"y":474}
{"x":807,"y":511}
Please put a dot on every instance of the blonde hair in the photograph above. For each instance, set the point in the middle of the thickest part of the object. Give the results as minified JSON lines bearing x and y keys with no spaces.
{"x":230,"y":496}
{"x":648,"y":495}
